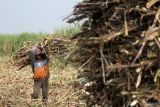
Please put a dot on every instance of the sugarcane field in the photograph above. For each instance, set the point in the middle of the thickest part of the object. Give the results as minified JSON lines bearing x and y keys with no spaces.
{"x":108,"y":57}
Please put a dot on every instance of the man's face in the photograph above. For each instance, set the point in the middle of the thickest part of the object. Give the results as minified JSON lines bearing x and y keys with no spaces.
{"x":38,"y":56}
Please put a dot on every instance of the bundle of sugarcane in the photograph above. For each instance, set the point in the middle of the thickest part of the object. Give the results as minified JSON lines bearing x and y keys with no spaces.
{"x":118,"y":51}
{"x":51,"y":45}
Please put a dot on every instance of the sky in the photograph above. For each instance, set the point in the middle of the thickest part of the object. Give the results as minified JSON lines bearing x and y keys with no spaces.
{"x":17,"y":16}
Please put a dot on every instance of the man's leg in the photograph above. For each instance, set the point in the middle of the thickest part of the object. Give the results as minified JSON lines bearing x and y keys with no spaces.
{"x":36,"y":89}
{"x":45,"y":89}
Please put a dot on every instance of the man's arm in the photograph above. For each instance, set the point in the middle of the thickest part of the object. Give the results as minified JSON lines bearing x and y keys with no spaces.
{"x":32,"y":57}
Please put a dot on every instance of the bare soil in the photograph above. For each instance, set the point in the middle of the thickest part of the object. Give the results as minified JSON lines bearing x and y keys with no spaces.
{"x":16,"y":87}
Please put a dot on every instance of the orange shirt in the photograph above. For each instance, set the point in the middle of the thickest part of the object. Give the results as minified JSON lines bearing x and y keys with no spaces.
{"x":41,"y":69}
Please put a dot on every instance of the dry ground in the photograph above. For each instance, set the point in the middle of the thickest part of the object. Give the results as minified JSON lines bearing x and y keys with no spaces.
{"x":16,"y":87}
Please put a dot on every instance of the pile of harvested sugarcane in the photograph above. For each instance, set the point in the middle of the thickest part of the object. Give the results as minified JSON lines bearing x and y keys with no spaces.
{"x":118,"y":52}
{"x":51,"y":45}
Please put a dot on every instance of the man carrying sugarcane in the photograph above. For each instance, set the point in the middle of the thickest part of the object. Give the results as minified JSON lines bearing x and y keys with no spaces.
{"x":39,"y":62}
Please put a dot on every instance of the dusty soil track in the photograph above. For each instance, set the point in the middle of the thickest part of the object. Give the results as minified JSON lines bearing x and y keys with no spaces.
{"x":16,"y":87}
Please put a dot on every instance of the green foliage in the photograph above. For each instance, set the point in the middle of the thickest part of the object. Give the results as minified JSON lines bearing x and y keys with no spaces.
{"x":10,"y":43}
{"x":68,"y":31}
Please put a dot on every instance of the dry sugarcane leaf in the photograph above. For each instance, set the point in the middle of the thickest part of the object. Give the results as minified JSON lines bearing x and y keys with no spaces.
{"x":157,"y":75}
{"x":125,"y":24}
{"x":151,"y":3}
{"x":139,"y":79}
{"x":134,"y":103}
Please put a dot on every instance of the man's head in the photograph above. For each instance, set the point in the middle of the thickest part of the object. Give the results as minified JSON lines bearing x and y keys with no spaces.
{"x":38,"y":53}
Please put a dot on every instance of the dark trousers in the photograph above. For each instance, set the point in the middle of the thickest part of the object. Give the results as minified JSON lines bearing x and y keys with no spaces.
{"x":38,"y":84}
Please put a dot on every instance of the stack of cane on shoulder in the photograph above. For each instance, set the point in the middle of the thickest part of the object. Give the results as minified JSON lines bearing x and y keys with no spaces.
{"x":51,"y":45}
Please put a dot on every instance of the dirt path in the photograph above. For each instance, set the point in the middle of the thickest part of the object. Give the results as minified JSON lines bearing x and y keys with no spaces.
{"x":16,"y":87}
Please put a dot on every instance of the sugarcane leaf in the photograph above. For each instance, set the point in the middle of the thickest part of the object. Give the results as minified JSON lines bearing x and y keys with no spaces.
{"x":157,"y":75}
{"x":139,"y":79}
